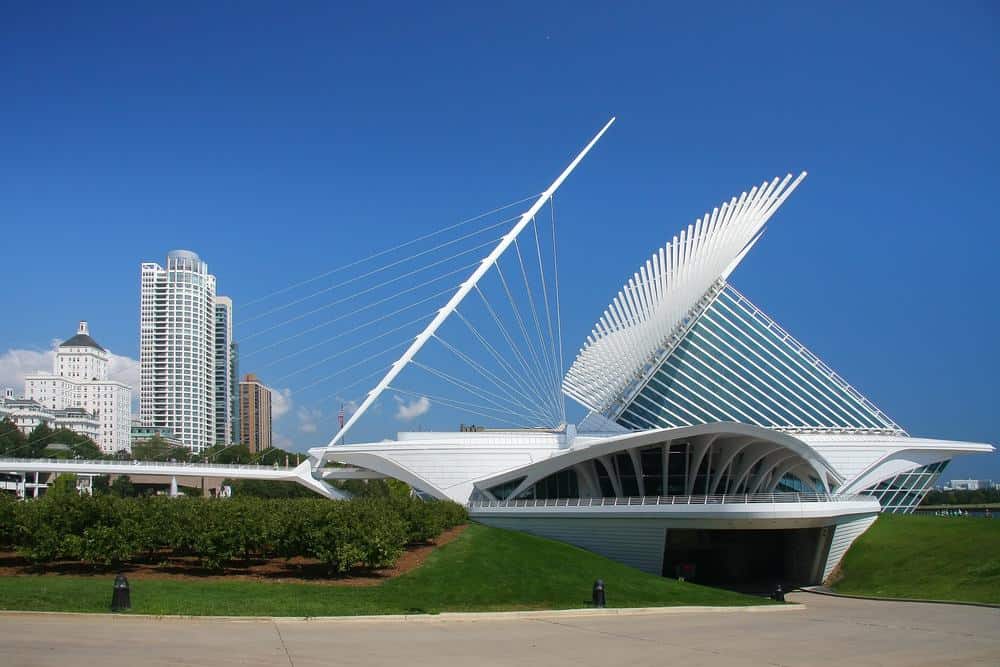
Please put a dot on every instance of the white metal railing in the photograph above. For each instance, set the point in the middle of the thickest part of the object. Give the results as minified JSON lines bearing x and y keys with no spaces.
{"x":146,"y":464}
{"x":730,"y":499}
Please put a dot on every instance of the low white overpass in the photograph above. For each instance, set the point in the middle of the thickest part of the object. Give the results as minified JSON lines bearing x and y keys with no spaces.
{"x":302,"y":474}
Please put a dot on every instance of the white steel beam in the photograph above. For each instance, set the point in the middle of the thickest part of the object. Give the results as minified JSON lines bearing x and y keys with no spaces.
{"x":465,"y":288}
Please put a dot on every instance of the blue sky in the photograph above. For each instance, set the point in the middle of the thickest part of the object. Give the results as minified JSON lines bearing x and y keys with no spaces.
{"x":280,"y":141}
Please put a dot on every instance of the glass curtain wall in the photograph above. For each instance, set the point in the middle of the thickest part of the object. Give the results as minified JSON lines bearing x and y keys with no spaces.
{"x":903,"y":493}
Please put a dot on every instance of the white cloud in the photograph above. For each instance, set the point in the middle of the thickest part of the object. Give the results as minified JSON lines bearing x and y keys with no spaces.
{"x":350,"y":407}
{"x":281,"y":402}
{"x":308,"y":418}
{"x":15,"y":364}
{"x":408,"y":410}
{"x":126,"y":370}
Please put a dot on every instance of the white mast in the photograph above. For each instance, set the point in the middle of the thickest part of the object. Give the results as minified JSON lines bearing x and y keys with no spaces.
{"x":466,"y":287}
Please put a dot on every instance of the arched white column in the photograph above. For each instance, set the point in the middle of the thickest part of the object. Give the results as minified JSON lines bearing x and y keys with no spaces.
{"x":633,"y":454}
{"x":699,"y":447}
{"x":732,"y":447}
{"x":612,"y":470}
{"x":771,"y":461}
{"x":751,"y":456}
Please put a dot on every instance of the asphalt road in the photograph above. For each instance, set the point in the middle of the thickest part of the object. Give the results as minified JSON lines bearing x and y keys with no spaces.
{"x":829,"y":631}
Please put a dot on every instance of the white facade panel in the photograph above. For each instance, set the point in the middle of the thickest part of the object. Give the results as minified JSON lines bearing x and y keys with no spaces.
{"x":843,"y":537}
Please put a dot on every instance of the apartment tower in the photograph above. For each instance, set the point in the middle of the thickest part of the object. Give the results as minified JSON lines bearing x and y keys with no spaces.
{"x":255,"y":414}
{"x":177,"y":349}
{"x":226,"y":374}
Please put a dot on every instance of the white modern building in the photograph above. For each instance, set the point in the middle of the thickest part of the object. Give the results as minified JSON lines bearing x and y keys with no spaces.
{"x":226,"y":373}
{"x":177,"y":348}
{"x":80,"y":381}
{"x":714,"y":439}
{"x":714,"y":444}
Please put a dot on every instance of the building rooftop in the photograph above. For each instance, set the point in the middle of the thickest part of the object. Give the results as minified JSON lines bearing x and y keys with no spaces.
{"x":183,"y":254}
{"x":22,"y":403}
{"x":82,"y":339}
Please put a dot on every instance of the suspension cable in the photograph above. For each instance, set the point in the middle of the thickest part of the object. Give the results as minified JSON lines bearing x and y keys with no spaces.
{"x":388,"y":250}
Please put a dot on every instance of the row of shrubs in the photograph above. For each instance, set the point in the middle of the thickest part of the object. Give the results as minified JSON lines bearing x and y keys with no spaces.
{"x":107,"y":530}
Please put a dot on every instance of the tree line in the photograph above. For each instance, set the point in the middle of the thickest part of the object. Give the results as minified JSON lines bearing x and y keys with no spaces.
{"x":44,"y":442}
{"x":961,"y":497}
{"x":370,"y":531}
{"x":14,"y":443}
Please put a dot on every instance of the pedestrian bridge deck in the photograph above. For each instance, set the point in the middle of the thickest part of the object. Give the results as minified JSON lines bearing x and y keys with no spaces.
{"x":302,"y":474}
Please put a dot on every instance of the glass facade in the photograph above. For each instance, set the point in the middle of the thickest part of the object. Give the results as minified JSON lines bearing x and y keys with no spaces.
{"x":735,"y":364}
{"x":563,"y":484}
{"x":225,"y":372}
{"x":903,"y":493}
{"x":503,"y":491}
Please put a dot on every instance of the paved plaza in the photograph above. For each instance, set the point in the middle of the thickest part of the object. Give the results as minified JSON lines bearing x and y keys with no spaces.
{"x":828,"y":631}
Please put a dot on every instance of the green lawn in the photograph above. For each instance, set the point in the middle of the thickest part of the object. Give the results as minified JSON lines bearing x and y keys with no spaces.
{"x":484,"y":569}
{"x":936,"y":558}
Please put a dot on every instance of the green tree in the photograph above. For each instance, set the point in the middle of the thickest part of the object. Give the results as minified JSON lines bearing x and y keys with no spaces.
{"x":221,"y":453}
{"x":274,"y":455}
{"x":100,"y":486}
{"x":62,"y":486}
{"x":38,"y":439}
{"x":12,"y":441}
{"x":158,"y":449}
{"x":80,"y":446}
{"x":262,"y":488}
{"x":123,"y":487}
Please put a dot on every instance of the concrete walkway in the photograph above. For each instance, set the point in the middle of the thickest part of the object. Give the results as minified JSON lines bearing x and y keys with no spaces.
{"x":829,"y":631}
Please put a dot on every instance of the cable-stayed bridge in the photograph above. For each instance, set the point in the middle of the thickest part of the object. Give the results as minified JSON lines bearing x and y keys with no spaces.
{"x":464,"y":318}
{"x":702,"y":412}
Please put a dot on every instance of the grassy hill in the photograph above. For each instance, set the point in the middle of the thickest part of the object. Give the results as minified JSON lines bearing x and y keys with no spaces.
{"x":928,"y":557}
{"x":484,"y":569}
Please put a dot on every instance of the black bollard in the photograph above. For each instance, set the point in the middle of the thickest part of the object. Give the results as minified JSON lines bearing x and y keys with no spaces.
{"x":598,"y":594}
{"x":120,"y":598}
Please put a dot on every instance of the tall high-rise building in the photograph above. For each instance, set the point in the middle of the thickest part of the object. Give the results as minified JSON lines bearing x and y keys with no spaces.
{"x":234,"y":351}
{"x":225,"y":370}
{"x":255,"y":414}
{"x":79,"y":381}
{"x":177,"y":348}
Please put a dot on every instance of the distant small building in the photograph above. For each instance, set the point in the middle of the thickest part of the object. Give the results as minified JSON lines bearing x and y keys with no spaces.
{"x":255,"y":414}
{"x":969,"y":485}
{"x":28,"y":414}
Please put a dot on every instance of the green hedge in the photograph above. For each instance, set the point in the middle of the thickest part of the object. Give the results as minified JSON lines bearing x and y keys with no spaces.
{"x":109,"y":530}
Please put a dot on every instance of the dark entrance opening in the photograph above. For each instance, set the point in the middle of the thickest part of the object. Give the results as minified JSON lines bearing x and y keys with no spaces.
{"x":747,"y":560}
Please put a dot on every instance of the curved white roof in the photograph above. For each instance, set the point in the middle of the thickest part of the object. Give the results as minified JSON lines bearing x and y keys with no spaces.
{"x":651,"y":309}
